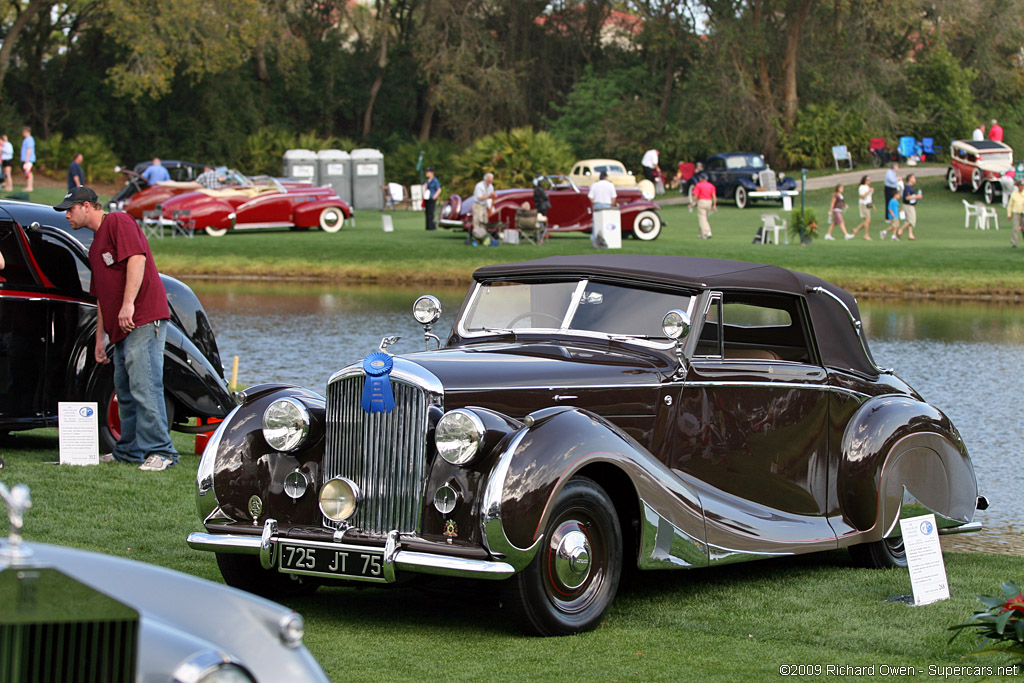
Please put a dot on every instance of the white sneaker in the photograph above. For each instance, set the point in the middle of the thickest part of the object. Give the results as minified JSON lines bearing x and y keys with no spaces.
{"x":895,"y":237}
{"x":884,"y":233}
{"x":830,"y":237}
{"x":108,"y":457}
{"x":849,"y":237}
{"x":156,"y":463}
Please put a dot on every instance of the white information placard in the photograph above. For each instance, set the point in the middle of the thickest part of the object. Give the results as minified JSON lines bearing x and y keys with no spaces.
{"x":335,"y":169}
{"x":366,"y":169}
{"x":787,"y":203}
{"x":924,"y":557}
{"x":79,"y":433}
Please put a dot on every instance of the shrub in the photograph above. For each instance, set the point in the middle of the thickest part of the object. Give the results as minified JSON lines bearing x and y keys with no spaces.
{"x":54,"y":154}
{"x":401,"y":163}
{"x":803,"y":225}
{"x":515,"y":158}
{"x":264,"y":149}
{"x":818,"y":128}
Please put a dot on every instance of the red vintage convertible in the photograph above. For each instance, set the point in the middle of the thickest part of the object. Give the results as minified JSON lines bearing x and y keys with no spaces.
{"x":243,"y":203}
{"x":570,"y":209}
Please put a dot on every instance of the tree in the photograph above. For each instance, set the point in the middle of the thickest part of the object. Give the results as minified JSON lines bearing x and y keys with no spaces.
{"x":23,"y":15}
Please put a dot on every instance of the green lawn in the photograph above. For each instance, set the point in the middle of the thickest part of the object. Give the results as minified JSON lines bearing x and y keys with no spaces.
{"x":738,"y":622}
{"x":946,"y":260}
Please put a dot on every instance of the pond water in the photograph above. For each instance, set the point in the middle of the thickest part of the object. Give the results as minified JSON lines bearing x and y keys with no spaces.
{"x":965,"y":358}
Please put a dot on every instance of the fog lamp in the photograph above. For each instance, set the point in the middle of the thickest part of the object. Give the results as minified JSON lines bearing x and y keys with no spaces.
{"x":295,"y":484}
{"x":285,"y":424}
{"x":338,"y":499}
{"x":458,"y":436}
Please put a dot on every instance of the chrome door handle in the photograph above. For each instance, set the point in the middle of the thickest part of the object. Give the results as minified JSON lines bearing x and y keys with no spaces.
{"x":565,"y":397}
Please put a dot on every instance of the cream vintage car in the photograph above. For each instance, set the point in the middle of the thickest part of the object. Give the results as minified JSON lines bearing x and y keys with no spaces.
{"x":588,"y":171}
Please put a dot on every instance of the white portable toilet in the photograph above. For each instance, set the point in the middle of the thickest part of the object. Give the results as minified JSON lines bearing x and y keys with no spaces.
{"x":367,"y":179}
{"x":301,"y":165}
{"x":335,"y":169}
{"x":607,"y":231}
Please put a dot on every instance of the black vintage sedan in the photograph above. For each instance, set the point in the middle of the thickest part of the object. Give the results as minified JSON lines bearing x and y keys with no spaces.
{"x":745,"y":177}
{"x":585,"y":414}
{"x":48,"y":328}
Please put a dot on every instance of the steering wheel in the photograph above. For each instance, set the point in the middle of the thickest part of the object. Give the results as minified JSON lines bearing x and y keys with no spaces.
{"x":523,"y":316}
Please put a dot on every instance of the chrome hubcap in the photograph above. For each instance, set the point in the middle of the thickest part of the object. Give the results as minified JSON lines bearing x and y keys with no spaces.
{"x":572,"y":559}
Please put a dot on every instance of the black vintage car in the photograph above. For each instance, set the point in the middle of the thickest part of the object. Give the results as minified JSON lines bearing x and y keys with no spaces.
{"x":587,"y":413}
{"x":745,"y":177}
{"x":48,"y":328}
{"x":181,"y":171}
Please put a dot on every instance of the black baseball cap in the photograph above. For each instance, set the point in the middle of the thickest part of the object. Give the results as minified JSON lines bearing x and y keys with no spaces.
{"x":77,"y":196}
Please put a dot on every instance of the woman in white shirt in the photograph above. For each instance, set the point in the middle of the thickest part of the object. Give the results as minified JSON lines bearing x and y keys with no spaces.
{"x":864,"y":192}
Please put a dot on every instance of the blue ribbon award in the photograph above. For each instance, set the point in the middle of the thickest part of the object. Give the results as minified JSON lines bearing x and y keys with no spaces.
{"x":377,"y":396}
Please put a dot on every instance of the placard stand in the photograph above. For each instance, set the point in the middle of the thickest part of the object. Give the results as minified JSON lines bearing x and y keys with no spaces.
{"x":79,"y":433}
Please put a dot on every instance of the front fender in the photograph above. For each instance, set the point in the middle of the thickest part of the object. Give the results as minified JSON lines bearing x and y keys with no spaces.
{"x":894,"y":443}
{"x":524,"y":484}
{"x":243,"y":462}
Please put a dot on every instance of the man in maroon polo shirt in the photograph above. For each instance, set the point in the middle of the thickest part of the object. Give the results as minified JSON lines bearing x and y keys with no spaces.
{"x":133,"y":313}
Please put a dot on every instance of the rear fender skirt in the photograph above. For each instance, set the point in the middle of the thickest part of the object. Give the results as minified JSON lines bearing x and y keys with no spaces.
{"x":524,"y":484}
{"x":896,"y":443}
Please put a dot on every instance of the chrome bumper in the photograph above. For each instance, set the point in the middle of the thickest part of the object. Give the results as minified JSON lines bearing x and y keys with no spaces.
{"x":395,"y":560}
{"x":778,"y":194}
{"x":451,"y":223}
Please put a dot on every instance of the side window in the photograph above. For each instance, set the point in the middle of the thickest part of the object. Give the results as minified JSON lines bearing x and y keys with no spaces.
{"x":16,"y":270}
{"x":764,"y":327}
{"x":65,"y":269}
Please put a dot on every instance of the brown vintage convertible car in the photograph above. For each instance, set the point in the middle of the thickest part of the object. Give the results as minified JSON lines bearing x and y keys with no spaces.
{"x":587,"y":413}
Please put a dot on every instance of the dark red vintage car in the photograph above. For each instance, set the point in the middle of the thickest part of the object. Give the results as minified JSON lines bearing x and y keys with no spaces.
{"x":570,"y":209}
{"x":48,"y":328}
{"x":587,"y":414}
{"x":243,"y":203}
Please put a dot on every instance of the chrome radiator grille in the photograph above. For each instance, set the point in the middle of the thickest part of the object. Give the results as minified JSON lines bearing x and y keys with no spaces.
{"x":75,"y":651}
{"x":383,"y":453}
{"x":766,"y":179}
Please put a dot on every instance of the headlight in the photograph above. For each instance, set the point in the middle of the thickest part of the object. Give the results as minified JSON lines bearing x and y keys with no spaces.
{"x":285,"y":424}
{"x":338,"y":499}
{"x":426,"y":310}
{"x":211,"y":667}
{"x":458,"y":436}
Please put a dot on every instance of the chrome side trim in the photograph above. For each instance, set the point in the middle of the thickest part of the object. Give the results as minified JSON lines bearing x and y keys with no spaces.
{"x":857,"y":327}
{"x":779,"y":385}
{"x":663,"y":545}
{"x":654,"y":385}
{"x":224,"y":543}
{"x":495,"y":540}
{"x":968,"y":528}
{"x":717,"y":555}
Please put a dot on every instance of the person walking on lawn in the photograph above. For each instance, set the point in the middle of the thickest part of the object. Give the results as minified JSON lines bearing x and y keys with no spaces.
{"x":865,"y":206}
{"x":133,"y":313}
{"x":1015,"y":211}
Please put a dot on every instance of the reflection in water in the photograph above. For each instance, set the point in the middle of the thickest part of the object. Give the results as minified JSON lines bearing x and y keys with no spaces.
{"x":966,"y":358}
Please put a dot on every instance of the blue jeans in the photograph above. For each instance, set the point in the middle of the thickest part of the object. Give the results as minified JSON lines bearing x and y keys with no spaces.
{"x":139,"y":383}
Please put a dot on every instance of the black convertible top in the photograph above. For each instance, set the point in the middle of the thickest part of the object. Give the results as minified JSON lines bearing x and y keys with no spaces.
{"x":836,"y":336}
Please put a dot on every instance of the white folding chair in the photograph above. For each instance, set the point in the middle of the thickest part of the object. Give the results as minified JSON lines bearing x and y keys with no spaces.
{"x":183,"y":223}
{"x":984,"y":214}
{"x":771,"y":224}
{"x":840,"y":153}
{"x":152,"y":225}
{"x":970,"y":210}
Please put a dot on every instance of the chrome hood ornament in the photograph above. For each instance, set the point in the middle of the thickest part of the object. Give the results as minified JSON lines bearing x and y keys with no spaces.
{"x":18,"y":501}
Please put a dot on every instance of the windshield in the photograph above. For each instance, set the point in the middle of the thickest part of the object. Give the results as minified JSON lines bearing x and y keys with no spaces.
{"x":579,"y":306}
{"x":754,"y":161}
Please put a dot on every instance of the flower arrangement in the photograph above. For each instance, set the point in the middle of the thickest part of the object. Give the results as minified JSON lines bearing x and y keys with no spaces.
{"x":1000,"y":626}
{"x":803,"y":225}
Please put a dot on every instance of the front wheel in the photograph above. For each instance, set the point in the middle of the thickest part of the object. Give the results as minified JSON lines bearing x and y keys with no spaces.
{"x":741,"y":197}
{"x":331,"y":219}
{"x":951,"y":180}
{"x":572,"y":580}
{"x":647,"y":226}
{"x":216,"y":232}
{"x":992,"y":192}
{"x":889,"y":553}
{"x":246,"y":573}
